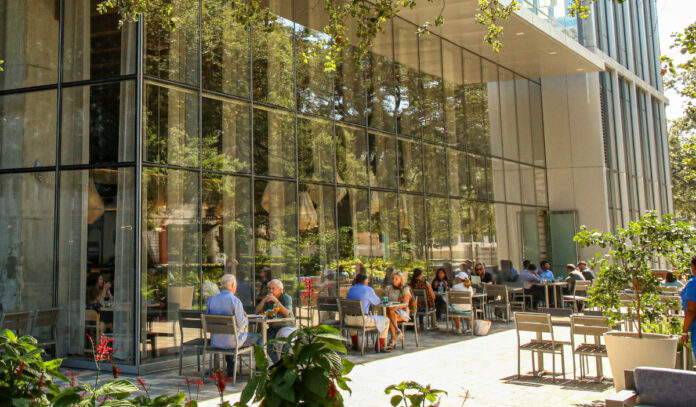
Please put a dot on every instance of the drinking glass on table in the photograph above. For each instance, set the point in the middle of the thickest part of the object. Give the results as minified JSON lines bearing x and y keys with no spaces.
{"x":276,"y":310}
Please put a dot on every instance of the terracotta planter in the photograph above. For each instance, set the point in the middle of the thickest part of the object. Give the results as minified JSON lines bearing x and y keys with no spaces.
{"x":627,"y":351}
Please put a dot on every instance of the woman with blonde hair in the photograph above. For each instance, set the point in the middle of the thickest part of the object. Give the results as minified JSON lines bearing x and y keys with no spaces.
{"x":397,"y":291}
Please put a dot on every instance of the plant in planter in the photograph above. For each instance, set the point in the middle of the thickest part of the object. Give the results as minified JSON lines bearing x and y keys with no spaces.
{"x":310,"y":375}
{"x":631,"y":253}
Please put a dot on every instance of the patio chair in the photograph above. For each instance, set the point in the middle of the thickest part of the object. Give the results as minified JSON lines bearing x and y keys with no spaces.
{"x":227,"y":325}
{"x":19,"y":322}
{"x":46,"y":318}
{"x":539,"y":324}
{"x":499,"y":298}
{"x":580,"y":292}
{"x":460,"y":298}
{"x":586,"y":326}
{"x":190,"y":320}
{"x":428,"y":315}
{"x":518,"y":299}
{"x":414,"y":323}
{"x":354,"y":308}
{"x":94,"y":325}
{"x":328,"y":308}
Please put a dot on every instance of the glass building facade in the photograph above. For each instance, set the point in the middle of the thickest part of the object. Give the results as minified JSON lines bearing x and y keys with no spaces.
{"x":156,"y":161}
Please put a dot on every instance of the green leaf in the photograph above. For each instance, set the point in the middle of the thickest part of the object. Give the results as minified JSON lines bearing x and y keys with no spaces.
{"x":115,"y":387}
{"x":347,"y":366}
{"x":316,"y":381}
{"x":53,"y":364}
{"x":249,"y":390}
{"x":396,"y":400}
{"x":260,"y":358}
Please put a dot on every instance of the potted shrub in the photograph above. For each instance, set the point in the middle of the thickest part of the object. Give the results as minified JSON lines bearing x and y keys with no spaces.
{"x":631,"y":253}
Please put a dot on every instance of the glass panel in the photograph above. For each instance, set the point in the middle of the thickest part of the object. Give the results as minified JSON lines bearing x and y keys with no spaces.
{"x":483,"y":237}
{"x":498,"y":180}
{"x":479,"y":170}
{"x":274,"y":143}
{"x":98,"y":124}
{"x":438,"y":229}
{"x":29,"y":42}
{"x":385,"y":226}
{"x":490,"y":79}
{"x":349,"y":87}
{"x":540,"y":186}
{"x":382,"y":161}
{"x":537,"y":122}
{"x":477,"y":111}
{"x":25,"y":142}
{"x":275,"y":219}
{"x":514,"y":234}
{"x":226,"y":239}
{"x":94,"y":45}
{"x":433,"y":115}
{"x":527,"y":186}
{"x":351,"y":155}
{"x":530,"y":234}
{"x":171,"y":126}
{"x":226,"y":64}
{"x":380,"y":82}
{"x":524,"y":126}
{"x":226,"y":136}
{"x":315,"y":147}
{"x":412,"y":229}
{"x":173,"y":54}
{"x":454,"y":94}
{"x":501,"y":234}
{"x":96,"y":259}
{"x":170,"y":264}
{"x":508,"y":115}
{"x":512,"y":182}
{"x":273,"y":75}
{"x":26,"y":243}
{"x":408,"y":107}
{"x":410,"y":165}
{"x":314,"y":84}
{"x":562,"y":229}
{"x":460,"y":219}
{"x":317,"y":205}
{"x":460,"y":184}
{"x":354,"y":231}
{"x":435,"y":169}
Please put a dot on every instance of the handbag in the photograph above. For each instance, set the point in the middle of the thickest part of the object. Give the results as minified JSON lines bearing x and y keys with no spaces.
{"x":481,"y":327}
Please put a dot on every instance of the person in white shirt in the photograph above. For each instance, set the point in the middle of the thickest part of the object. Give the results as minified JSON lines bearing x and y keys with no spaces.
{"x":461,"y":284}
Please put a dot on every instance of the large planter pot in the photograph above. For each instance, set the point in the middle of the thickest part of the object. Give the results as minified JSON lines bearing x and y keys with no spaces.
{"x":627,"y":351}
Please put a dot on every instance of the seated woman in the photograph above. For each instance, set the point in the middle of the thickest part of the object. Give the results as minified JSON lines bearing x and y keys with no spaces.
{"x":398,"y":291}
{"x":418,"y":283}
{"x":461,"y":284}
{"x":440,"y":285}
{"x":485,"y":276}
{"x":97,"y":291}
{"x":671,"y":281}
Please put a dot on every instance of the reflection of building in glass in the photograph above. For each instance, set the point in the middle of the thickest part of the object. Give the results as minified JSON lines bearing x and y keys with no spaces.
{"x":129,"y":186}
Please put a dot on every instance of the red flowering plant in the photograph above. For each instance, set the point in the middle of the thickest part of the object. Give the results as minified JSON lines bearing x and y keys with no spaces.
{"x":198,"y":385}
{"x":221,"y":384}
{"x":308,"y":293}
{"x":312,"y":374}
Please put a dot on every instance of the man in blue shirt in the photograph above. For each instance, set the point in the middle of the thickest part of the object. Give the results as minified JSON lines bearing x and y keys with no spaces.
{"x":546,"y":273}
{"x":688,"y":295}
{"x":226,"y":303}
{"x":361,"y":291}
{"x":528,"y":278}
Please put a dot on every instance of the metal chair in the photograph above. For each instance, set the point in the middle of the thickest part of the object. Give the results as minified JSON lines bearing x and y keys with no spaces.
{"x":191,"y":320}
{"x":539,"y":324}
{"x":588,"y":326}
{"x":354,"y":308}
{"x":499,"y":298}
{"x":412,"y":322}
{"x":46,"y":318}
{"x":460,"y":298}
{"x":421,"y":297}
{"x":328,"y":307}
{"x":225,"y":325}
{"x":580,"y":287}
{"x":19,"y":322}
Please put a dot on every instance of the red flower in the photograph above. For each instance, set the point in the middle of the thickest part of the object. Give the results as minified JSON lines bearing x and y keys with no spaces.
{"x":115,"y":371}
{"x":199,"y":383}
{"x":220,"y":381}
{"x":333,"y":391}
{"x":19,"y":369}
{"x":73,"y":381}
{"x":141,"y":382}
{"x":104,"y":351}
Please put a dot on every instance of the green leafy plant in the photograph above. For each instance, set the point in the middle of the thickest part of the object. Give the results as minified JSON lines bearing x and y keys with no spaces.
{"x":668,"y":326}
{"x":413,"y":394}
{"x":25,"y":378}
{"x":310,"y":375}
{"x":632,"y":252}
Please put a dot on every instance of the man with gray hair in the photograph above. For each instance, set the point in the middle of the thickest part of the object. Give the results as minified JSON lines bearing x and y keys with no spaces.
{"x":226,"y":303}
{"x":280,"y":304}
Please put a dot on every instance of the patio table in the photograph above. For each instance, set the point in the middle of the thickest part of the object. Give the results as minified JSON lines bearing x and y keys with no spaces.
{"x":264,"y":323}
{"x":556,"y":285}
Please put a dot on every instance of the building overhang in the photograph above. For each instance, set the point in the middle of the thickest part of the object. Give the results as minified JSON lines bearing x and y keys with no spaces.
{"x":532,"y":46}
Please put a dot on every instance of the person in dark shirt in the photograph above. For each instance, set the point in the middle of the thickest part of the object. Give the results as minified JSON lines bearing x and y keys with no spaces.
{"x":281,"y":305}
{"x":586,"y":271}
{"x":486,"y":276}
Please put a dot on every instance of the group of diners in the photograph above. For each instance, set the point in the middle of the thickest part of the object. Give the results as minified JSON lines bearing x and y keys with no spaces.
{"x":533,"y":278}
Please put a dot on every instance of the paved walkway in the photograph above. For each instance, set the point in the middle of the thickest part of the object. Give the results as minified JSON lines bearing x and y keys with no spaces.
{"x":485,"y":366}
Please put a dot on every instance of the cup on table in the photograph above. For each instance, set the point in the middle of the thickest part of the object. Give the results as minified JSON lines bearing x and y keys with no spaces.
{"x":385,"y":300}
{"x":269,"y":313}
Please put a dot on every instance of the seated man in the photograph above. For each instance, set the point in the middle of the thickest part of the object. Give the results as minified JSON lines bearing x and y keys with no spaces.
{"x":361,"y":291}
{"x":546,"y":273}
{"x":226,"y":303}
{"x":586,"y":271}
{"x":276,"y":300}
{"x":529,"y":278}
